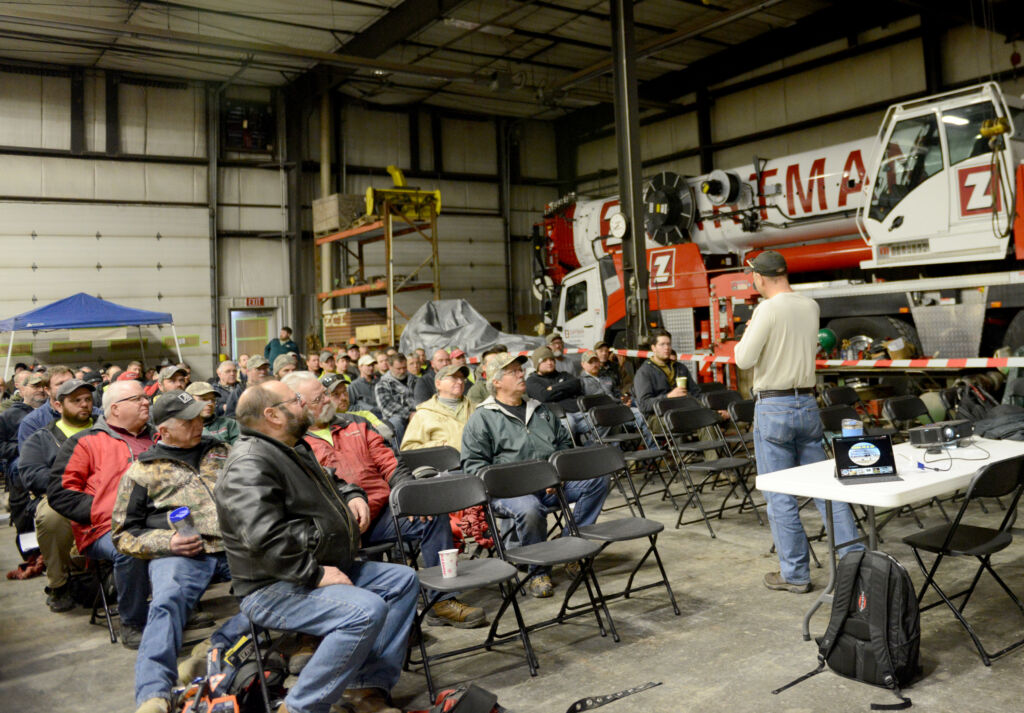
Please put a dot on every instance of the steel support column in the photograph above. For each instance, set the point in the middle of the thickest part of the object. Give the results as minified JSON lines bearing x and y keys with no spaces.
{"x":704,"y":138}
{"x":627,"y":139}
{"x":78,"y":111}
{"x":212,"y":199}
{"x":112,"y":118}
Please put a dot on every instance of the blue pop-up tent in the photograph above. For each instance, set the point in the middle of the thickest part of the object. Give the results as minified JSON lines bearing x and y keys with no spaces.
{"x":82,"y":311}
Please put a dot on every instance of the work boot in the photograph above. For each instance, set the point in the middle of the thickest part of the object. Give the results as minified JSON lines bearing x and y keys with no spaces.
{"x":199,"y":620}
{"x":774,"y":580}
{"x":452,"y":612}
{"x":541,"y":587}
{"x":572,"y":571}
{"x":301,"y":656}
{"x":130,"y":636}
{"x":60,"y":599}
{"x":154,"y":705}
{"x":368,"y":700}
{"x":194,"y":666}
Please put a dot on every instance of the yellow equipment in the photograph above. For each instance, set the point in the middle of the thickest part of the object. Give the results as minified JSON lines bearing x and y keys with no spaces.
{"x":411,"y":203}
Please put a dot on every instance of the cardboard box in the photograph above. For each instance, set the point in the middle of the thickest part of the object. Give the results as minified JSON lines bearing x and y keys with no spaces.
{"x":376,"y":333}
{"x":900,"y":349}
{"x":336,"y":212}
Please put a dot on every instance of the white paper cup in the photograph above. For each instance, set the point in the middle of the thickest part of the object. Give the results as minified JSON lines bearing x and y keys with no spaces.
{"x":680,"y":382}
{"x":449,"y":563}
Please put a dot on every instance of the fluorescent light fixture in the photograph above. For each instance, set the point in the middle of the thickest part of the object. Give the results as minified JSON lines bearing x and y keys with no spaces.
{"x":954,"y":120}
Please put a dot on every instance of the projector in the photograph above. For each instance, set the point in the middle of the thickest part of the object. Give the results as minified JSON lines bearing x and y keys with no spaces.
{"x":942,"y":433}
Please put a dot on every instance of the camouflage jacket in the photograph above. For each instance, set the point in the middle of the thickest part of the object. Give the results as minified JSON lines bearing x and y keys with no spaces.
{"x":159,"y":482}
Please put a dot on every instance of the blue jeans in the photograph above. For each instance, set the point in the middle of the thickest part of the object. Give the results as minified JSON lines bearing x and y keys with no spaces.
{"x":398,"y":425}
{"x":365,"y":630}
{"x":178,"y":583}
{"x":787,"y":433}
{"x":131,"y":578}
{"x":529,"y":512}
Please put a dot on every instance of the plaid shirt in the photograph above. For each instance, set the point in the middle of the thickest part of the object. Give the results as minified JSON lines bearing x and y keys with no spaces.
{"x":394,"y":397}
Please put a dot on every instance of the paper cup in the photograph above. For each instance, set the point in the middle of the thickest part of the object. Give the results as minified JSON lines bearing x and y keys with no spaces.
{"x":449,"y":563}
{"x":680,"y":382}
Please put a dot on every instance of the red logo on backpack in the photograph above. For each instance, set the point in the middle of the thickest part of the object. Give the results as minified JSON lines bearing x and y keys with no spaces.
{"x":862,"y":602}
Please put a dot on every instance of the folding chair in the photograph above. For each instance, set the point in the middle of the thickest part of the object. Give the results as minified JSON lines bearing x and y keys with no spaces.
{"x":684,"y":427}
{"x":903,"y":410}
{"x":618,"y":417}
{"x":102,"y":569}
{"x":589,"y":401}
{"x":713,"y":387}
{"x":559,"y":413}
{"x":439,"y":497}
{"x":264,"y":692}
{"x":737,"y":441}
{"x":950,"y":398}
{"x":440,"y":458}
{"x":958,"y":539}
{"x":584,"y":463}
{"x":741,"y":413}
{"x":513,"y":480}
{"x":663,"y":406}
{"x":848,"y":396}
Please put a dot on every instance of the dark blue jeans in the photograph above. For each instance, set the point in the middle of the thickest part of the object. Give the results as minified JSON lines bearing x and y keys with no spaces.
{"x":130,"y":576}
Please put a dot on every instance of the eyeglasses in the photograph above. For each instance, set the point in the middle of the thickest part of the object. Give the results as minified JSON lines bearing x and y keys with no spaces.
{"x":317,"y":400}
{"x":137,"y":397}
{"x":279,"y":404}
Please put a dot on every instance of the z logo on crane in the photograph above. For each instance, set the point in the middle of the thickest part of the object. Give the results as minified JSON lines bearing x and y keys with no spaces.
{"x":976,"y":187}
{"x":661,"y":264}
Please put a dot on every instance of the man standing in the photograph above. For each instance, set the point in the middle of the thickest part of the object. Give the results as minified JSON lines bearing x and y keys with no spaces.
{"x":73,"y":403}
{"x":439,"y":420}
{"x":425,"y":385}
{"x":83,"y":487}
{"x":508,"y":429}
{"x":181,"y":470}
{"x":225,"y":384}
{"x":221,"y":428}
{"x":358,"y":455}
{"x":257,"y":372}
{"x":361,"y":392}
{"x":659,"y":377}
{"x":292,"y":559}
{"x":394,"y":394}
{"x":282,"y":345}
{"x":780,"y":344}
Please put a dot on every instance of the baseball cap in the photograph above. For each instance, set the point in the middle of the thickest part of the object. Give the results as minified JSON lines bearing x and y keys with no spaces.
{"x":769,"y":263}
{"x":282,"y":361}
{"x":499,"y":362}
{"x":332,"y":382}
{"x":587,"y":356}
{"x":540,"y":354}
{"x":553,"y":336}
{"x":325,"y":355}
{"x":128,"y":375}
{"x":366,"y":359}
{"x":200,"y":388}
{"x":93,"y":377}
{"x":175,"y":404}
{"x":36,"y":378}
{"x":71,"y":385}
{"x":168,"y":371}
{"x":600,"y":344}
{"x":456,"y":353}
{"x":451,"y":370}
{"x":255,"y":362}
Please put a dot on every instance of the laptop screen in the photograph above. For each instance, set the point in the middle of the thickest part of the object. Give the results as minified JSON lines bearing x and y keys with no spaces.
{"x":859,"y":456}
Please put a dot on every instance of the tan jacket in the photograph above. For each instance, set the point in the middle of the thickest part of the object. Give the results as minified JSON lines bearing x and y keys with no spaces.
{"x":436,"y":425}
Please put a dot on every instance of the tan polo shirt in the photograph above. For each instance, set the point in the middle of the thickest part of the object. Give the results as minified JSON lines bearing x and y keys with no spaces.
{"x":781,"y":342}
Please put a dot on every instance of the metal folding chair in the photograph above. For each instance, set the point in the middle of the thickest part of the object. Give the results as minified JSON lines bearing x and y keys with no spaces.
{"x":440,"y":458}
{"x":615,"y":424}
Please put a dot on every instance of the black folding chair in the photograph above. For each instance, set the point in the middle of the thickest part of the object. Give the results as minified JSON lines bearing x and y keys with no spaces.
{"x":584,"y":463}
{"x":958,"y":539}
{"x":904,"y":411}
{"x":589,"y":401}
{"x":513,"y":480}
{"x":440,"y":458}
{"x":848,"y":396}
{"x":559,"y":413}
{"x":739,"y":438}
{"x":439,"y":497}
{"x":684,"y":429}
{"x":641,"y":460}
{"x":101,"y":571}
{"x":713,"y":387}
{"x":950,"y":397}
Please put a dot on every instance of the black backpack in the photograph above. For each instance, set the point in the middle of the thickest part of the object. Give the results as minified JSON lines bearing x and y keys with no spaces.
{"x":874,"y":633}
{"x":232,"y":681}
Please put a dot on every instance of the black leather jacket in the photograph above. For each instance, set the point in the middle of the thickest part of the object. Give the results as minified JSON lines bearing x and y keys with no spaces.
{"x":281,"y":515}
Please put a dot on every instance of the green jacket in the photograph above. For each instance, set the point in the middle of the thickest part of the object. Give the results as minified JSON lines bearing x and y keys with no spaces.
{"x":478,"y":392}
{"x":493,"y":436}
{"x":223,"y":429}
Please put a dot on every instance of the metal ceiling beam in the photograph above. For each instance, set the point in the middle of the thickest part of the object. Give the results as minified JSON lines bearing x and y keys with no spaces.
{"x":1003,"y":17}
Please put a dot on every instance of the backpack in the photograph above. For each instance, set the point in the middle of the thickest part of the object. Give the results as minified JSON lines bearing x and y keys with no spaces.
{"x":974,"y":403}
{"x":232,"y":681}
{"x":465,"y":699}
{"x":874,"y":632}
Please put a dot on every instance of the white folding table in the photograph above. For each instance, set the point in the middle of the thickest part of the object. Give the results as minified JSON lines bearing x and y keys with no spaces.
{"x":817,"y":480}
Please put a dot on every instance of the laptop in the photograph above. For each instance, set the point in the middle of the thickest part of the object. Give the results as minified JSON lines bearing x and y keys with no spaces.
{"x":864,"y":459}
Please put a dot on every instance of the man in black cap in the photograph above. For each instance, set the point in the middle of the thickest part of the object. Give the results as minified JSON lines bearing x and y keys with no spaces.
{"x":780,"y":344}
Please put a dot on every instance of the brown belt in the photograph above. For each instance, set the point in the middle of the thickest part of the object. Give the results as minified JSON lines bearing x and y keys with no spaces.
{"x":784,"y":392}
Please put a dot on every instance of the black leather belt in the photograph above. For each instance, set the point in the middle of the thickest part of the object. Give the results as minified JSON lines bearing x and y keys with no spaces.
{"x":785,"y":392}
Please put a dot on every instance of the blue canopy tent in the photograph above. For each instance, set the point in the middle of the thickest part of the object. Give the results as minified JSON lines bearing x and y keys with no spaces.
{"x":82,"y":311}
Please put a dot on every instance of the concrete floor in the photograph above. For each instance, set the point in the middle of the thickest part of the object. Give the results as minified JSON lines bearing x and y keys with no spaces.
{"x":733,"y":643}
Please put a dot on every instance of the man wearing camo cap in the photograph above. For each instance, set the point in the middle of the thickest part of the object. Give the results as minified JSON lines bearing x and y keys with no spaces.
{"x":257,"y":370}
{"x":285,"y":364}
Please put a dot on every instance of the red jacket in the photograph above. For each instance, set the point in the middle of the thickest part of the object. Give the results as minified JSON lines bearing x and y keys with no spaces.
{"x":360,"y":456}
{"x":85,"y":477}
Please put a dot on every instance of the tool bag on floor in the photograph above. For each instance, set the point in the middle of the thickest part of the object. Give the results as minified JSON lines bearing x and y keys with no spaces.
{"x":465,"y":699}
{"x":874,"y":633}
{"x":232,"y":681}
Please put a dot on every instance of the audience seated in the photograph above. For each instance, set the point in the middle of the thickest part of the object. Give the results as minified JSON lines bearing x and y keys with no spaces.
{"x":439,"y":420}
{"x":221,"y":428}
{"x":507,"y":428}
{"x":425,"y":384}
{"x":225,"y":384}
{"x":657,"y":378}
{"x":596,"y":380}
{"x":257,"y":371}
{"x":548,"y":385}
{"x":394,"y":394}
{"x":180,"y":566}
{"x":338,"y":390}
{"x":361,"y":392}
{"x":363,"y":610}
{"x":46,"y":413}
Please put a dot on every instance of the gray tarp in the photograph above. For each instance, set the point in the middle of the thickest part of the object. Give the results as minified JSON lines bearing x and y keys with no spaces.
{"x":447,"y":324}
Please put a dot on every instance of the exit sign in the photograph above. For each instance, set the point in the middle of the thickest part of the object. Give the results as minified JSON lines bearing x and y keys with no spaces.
{"x":253,"y":301}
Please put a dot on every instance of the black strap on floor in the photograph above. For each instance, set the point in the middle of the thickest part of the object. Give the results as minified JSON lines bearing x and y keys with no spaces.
{"x":591,"y":702}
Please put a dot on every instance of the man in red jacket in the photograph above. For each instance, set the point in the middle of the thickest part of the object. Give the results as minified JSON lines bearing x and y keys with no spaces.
{"x":83,"y":488}
{"x":360,"y":456}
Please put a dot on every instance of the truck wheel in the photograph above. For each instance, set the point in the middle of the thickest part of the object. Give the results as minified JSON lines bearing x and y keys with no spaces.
{"x":862,"y":331}
{"x":1014,"y":337}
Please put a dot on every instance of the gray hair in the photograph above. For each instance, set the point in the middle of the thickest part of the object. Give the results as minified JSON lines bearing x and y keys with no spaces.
{"x":253,"y":402}
{"x":227,"y":362}
{"x":114,"y":393}
{"x":297,"y":378}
